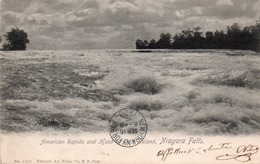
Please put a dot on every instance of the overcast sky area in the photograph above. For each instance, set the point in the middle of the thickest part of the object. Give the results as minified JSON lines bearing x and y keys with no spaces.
{"x":109,"y":24}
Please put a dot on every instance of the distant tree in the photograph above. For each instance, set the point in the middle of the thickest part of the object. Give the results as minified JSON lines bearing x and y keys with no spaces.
{"x":209,"y":40}
{"x":234,"y":36}
{"x":146,"y":44}
{"x":220,"y":40}
{"x":16,"y":40}
{"x":188,"y":39}
{"x":152,"y":44}
{"x":209,"y":35}
{"x":255,"y":30}
{"x":178,"y":40}
{"x":164,"y":41}
{"x":139,"y":44}
{"x":198,"y":40}
{"x":6,"y":46}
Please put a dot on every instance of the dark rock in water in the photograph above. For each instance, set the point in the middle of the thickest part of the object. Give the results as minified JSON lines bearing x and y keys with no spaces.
{"x":117,"y":54}
{"x":53,"y":123}
{"x":235,"y":54}
{"x":65,"y":126}
{"x":56,"y":121}
{"x":143,"y":51}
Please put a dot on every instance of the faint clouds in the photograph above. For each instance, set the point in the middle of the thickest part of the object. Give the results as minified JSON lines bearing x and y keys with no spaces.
{"x":11,"y":17}
{"x":121,"y":5}
{"x":225,"y":2}
{"x":180,"y":13}
{"x":38,"y":19}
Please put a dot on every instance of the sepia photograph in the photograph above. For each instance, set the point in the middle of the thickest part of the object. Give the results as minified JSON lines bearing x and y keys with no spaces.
{"x":129,"y":81}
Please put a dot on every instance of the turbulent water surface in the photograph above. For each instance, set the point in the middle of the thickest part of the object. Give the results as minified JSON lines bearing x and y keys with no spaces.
{"x":184,"y":91}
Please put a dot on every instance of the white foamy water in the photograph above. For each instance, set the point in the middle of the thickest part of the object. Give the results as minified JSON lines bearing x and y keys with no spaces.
{"x":75,"y":91}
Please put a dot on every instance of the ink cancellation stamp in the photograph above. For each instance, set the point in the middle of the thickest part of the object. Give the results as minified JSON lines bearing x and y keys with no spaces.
{"x":128,"y":127}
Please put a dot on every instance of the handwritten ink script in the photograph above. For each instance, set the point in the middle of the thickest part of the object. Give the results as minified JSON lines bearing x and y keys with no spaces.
{"x":242,"y":153}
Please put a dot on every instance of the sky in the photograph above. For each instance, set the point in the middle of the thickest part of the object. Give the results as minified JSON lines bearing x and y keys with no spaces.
{"x":117,"y":24}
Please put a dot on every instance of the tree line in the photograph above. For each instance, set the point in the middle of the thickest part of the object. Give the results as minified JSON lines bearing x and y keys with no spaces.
{"x":234,"y":37}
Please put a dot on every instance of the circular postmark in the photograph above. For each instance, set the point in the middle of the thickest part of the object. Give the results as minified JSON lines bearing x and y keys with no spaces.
{"x":127,"y":127}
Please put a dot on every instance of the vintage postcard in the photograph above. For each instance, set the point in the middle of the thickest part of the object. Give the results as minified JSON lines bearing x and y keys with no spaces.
{"x":129,"y":81}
